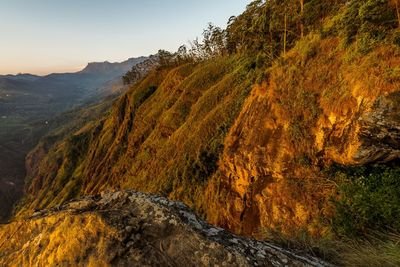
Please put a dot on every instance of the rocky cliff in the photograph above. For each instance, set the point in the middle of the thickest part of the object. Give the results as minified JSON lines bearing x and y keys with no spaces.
{"x":127,"y":228}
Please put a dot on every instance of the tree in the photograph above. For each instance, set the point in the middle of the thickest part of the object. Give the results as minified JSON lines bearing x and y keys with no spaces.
{"x":131,"y":76}
{"x":182,"y":51}
{"x":165,"y":58}
{"x":213,"y":40}
{"x":196,"y":50}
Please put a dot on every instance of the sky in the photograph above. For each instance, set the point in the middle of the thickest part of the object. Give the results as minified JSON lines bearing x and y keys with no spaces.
{"x":45,"y":36}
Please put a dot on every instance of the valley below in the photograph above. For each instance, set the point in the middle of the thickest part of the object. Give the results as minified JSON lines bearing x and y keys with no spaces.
{"x":30,"y":106}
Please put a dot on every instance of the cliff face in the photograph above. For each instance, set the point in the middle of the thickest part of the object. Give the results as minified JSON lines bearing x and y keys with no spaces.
{"x":125,"y":228}
{"x":318,"y":107}
{"x":248,"y":161}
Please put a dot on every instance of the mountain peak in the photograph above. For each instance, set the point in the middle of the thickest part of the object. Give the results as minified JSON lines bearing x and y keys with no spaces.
{"x":106,"y":66}
{"x":96,"y":67}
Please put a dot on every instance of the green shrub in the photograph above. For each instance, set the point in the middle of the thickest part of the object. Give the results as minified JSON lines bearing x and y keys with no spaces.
{"x":369,"y":198}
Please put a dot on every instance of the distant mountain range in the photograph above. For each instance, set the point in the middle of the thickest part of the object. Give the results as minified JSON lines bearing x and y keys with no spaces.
{"x":21,"y":77}
{"x":63,"y":90}
{"x":28,"y":105}
{"x":107,"y":68}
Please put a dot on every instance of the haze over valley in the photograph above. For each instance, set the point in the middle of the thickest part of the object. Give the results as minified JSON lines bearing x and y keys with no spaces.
{"x":31,"y":105}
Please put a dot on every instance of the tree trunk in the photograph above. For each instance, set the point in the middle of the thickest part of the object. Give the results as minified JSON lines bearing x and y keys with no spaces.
{"x":285,"y":35}
{"x":271,"y":41}
{"x":398,"y":12}
{"x":301,"y":17}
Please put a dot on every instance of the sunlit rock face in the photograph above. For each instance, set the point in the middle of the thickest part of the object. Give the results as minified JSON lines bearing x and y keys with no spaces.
{"x":127,"y":228}
{"x":312,"y":112}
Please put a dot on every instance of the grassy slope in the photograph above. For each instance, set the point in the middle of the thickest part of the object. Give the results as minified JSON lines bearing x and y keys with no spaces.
{"x":291,"y":129}
{"x":170,"y":127}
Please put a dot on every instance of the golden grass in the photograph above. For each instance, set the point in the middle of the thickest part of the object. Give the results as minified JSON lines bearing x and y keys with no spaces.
{"x":378,"y":249}
{"x":62,"y":239}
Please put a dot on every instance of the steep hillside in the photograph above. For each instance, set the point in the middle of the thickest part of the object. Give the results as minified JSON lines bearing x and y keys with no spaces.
{"x":317,"y":108}
{"x":296,"y":134}
{"x":172,"y":126}
{"x":163,"y":123}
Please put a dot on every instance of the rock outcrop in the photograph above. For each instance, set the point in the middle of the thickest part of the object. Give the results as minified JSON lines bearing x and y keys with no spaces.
{"x":128,"y":228}
{"x":380,"y":131}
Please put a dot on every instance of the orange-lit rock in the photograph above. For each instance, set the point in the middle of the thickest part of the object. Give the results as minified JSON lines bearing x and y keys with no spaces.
{"x":309,"y":115}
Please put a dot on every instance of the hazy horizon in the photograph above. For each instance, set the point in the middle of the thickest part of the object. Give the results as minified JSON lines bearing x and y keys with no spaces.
{"x":63,"y":36}
{"x":72,"y":69}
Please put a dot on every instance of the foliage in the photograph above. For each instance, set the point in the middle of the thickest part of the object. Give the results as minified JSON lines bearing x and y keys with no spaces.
{"x":369,"y":198}
{"x":272,"y":27}
{"x":364,"y":22}
{"x":375,"y":250}
{"x":268,"y":28}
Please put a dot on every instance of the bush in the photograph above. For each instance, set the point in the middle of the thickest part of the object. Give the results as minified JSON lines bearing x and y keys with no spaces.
{"x":369,"y":198}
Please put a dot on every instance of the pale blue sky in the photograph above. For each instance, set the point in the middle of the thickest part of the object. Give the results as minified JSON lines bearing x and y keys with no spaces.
{"x":43,"y":36}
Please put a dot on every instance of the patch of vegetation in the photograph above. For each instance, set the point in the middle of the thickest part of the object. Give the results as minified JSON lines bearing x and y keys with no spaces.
{"x":368,"y":199}
{"x":375,"y":250}
{"x":365,"y":23}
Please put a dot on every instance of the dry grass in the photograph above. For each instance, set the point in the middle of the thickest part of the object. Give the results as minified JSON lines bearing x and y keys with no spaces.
{"x":378,"y":249}
{"x":174,"y":134}
{"x":85,"y":240}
